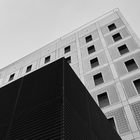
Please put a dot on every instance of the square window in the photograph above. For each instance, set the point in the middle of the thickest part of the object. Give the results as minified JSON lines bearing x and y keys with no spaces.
{"x":68,"y":59}
{"x":47,"y":59}
{"x":103,"y":100}
{"x":88,"y":38}
{"x":67,"y":49}
{"x":29,"y":68}
{"x":112,"y":122}
{"x":11,"y":77}
{"x":91,"y":49}
{"x":123,"y":49}
{"x":98,"y":79}
{"x":94,"y":62}
{"x":117,"y":37}
{"x":112,"y":27}
{"x":137,"y":85}
{"x":131,"y":65}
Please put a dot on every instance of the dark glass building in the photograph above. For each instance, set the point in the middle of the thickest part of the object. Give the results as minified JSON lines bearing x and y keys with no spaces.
{"x":51,"y":104}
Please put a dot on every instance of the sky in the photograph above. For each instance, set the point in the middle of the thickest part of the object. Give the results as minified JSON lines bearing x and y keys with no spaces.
{"x":27,"y":25}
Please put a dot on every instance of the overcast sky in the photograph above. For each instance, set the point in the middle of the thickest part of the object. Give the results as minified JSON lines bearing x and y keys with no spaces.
{"x":27,"y":25}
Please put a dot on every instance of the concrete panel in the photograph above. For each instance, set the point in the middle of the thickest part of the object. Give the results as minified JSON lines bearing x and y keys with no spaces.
{"x":120,"y":65}
{"x":128,"y":137}
{"x":21,"y":63}
{"x":107,"y":19}
{"x":48,"y":49}
{"x":135,"y":107}
{"x":52,"y":58}
{"x":94,"y":35}
{"x":129,"y":87}
{"x":106,"y":73}
{"x":73,"y":55}
{"x":16,"y":72}
{"x":121,"y":121}
{"x":118,"y":22}
{"x":76,"y":69}
{"x":130,"y":43}
{"x":112,"y":92}
{"x":86,"y":30}
{"x":97,"y":44}
{"x":102,"y":59}
{"x":72,"y":45}
{"x":34,"y":67}
{"x":64,"y":41}
{"x":123,"y":32}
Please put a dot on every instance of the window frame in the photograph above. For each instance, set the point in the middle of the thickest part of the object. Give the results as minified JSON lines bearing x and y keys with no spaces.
{"x":46,"y":62}
{"x":126,"y":66}
{"x":120,"y":51}
{"x":91,"y":49}
{"x":65,"y":49}
{"x":9,"y":80}
{"x":116,"y":37}
{"x":94,"y":79}
{"x":95,"y":62}
{"x":113,"y":27}
{"x":27,"y":71}
{"x":132,"y":81}
{"x":107,"y":98}
{"x":88,"y":40}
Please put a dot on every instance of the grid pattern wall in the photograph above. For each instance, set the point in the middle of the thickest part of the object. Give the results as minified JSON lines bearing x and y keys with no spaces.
{"x":97,"y":46}
{"x":121,"y":67}
{"x":118,"y":22}
{"x":112,"y":92}
{"x":120,"y":119}
{"x":106,"y":73}
{"x":123,"y":32}
{"x":131,"y":45}
{"x":94,"y":36}
{"x":135,"y":107}
{"x":101,"y":60}
{"x":33,"y":124}
{"x":129,"y":87}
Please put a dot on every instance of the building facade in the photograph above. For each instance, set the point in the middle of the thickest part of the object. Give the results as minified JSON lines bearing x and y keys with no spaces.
{"x":105,"y":55}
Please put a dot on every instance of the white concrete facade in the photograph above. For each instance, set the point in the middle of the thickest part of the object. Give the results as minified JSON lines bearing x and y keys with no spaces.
{"x":105,"y":54}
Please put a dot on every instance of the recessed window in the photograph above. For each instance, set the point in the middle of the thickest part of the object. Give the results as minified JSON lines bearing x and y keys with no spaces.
{"x":131,"y":65}
{"x":117,"y":37}
{"x":91,"y":49}
{"x":29,"y":68}
{"x":112,"y":27}
{"x":137,"y":85}
{"x":94,"y":62}
{"x":88,"y":38}
{"x":47,"y":59}
{"x":112,"y":122}
{"x":67,"y":49}
{"x":103,"y":100}
{"x":11,"y":77}
{"x":123,"y":49}
{"x":98,"y":79}
{"x":68,"y":59}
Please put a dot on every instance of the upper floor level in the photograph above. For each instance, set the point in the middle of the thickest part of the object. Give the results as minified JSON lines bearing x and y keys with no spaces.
{"x":110,"y":29}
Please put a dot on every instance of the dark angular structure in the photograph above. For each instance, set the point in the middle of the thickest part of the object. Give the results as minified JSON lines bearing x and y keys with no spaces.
{"x":51,"y":104}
